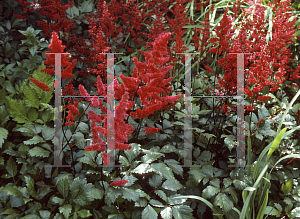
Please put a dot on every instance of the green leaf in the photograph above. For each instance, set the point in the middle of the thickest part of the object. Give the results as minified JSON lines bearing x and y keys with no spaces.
{"x":57,"y":200}
{"x":32,"y":114}
{"x":16,"y":108}
{"x":130,"y":194}
{"x":83,"y":127}
{"x":45,"y":214}
{"x":143,"y":168}
{"x":182,"y":211}
{"x":208,"y":170}
{"x":295,"y":212}
{"x":3,"y":135}
{"x":210,"y":191}
{"x":30,"y":97}
{"x":172,"y":185}
{"x":30,"y":186}
{"x":156,"y":203}
{"x":111,"y":194}
{"x":11,"y":190}
{"x":41,"y":192}
{"x":84,"y":213}
{"x":16,"y":202}
{"x":175,"y":166}
{"x":197,"y":174}
{"x":38,"y":152}
{"x":166,"y":213}
{"x":11,"y":167}
{"x":149,"y":213}
{"x":161,"y":194}
{"x":35,"y":140}
{"x":63,"y":185}
{"x":86,"y":6}
{"x":151,"y":156}
{"x":92,"y":192}
{"x":155,"y":181}
{"x":224,"y":202}
{"x":87,"y":160}
{"x":163,"y":170}
{"x":272,"y":211}
{"x":287,"y":187}
{"x":66,"y":210}
{"x":48,"y":132}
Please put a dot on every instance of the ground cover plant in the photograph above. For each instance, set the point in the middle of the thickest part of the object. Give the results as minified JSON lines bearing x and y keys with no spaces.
{"x":149,"y":84}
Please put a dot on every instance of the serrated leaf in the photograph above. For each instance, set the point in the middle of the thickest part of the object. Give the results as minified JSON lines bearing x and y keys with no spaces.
{"x":175,"y":166}
{"x":151,"y":156}
{"x":16,"y":108}
{"x":224,"y":202}
{"x":38,"y":152}
{"x":161,"y":194}
{"x":168,"y":149}
{"x":11,"y":167}
{"x":45,"y":214}
{"x":166,"y":213}
{"x":57,"y":200}
{"x":30,"y":97}
{"x":92,"y":192}
{"x":63,"y":184}
{"x":35,"y":140}
{"x":86,"y":6}
{"x":149,"y":213}
{"x":3,"y":135}
{"x":41,"y":192}
{"x":30,"y":186}
{"x":48,"y":132}
{"x":66,"y":210}
{"x":130,"y":194}
{"x":208,"y":170}
{"x":32,"y":114}
{"x":11,"y":190}
{"x":182,"y":211}
{"x":295,"y":212}
{"x":111,"y":194}
{"x":210,"y":191}
{"x":84,"y":213}
{"x":163,"y":170}
{"x":172,"y":185}
{"x":197,"y":174}
{"x":155,"y":181}
{"x":156,"y":203}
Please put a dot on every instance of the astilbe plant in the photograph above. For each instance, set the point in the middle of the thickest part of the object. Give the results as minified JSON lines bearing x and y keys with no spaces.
{"x":269,"y":60}
{"x":154,"y":83}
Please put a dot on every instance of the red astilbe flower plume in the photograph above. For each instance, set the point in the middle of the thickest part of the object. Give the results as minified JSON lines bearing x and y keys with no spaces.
{"x":55,"y":11}
{"x":41,"y":85}
{"x":122,"y":130}
{"x":150,"y":130}
{"x":269,"y":60}
{"x":153,"y":77}
{"x":57,"y":47}
{"x":119,"y":182}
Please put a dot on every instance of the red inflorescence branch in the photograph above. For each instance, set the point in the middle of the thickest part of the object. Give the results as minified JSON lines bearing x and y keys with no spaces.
{"x":119,"y":182}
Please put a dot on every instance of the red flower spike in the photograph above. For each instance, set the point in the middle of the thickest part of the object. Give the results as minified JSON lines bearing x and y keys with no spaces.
{"x":118,"y":182}
{"x":41,"y":85}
